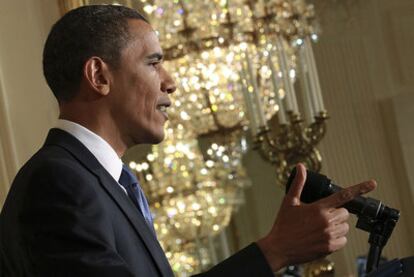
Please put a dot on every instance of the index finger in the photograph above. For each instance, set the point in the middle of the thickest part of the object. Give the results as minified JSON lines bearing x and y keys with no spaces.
{"x":342,"y":197}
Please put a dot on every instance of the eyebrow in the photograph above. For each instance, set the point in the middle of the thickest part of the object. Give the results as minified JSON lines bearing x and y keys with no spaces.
{"x":155,"y":56}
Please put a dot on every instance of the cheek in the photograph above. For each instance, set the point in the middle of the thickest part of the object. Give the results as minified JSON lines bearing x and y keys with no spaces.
{"x":143,"y":89}
{"x":149,"y":92}
{"x":146,"y":101}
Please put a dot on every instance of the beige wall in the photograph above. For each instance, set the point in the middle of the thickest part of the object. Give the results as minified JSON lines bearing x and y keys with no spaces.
{"x":365,"y":60}
{"x":362,"y":68}
{"x":27,"y":109}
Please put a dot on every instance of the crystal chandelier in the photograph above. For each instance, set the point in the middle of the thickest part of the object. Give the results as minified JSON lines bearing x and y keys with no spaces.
{"x":237,"y":66}
{"x":192,"y":197}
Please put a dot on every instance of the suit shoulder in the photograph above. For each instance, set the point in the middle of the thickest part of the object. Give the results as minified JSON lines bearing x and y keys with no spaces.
{"x":53,"y":171}
{"x":51,"y":161}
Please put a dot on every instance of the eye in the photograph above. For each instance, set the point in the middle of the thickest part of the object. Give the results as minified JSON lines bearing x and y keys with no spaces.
{"x":155,"y":64}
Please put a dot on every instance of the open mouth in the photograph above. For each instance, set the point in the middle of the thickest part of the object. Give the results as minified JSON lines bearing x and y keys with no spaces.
{"x":163,"y":110}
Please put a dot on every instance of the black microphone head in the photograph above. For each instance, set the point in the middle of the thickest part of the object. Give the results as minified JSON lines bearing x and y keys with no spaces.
{"x":317,"y":186}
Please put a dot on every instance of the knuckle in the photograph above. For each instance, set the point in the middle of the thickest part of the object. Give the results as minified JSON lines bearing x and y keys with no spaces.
{"x":367,"y":187}
{"x":345,"y":213}
{"x":331,"y":247}
{"x":342,"y":214}
{"x":346,"y":228}
{"x":325,"y":220}
{"x":345,"y":195}
{"x":338,"y":244}
{"x":328,"y":234}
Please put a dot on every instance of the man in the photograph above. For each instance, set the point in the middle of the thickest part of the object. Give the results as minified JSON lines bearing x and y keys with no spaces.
{"x":69,"y":211}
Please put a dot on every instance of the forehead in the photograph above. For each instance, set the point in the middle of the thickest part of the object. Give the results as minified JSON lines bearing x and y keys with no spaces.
{"x":143,"y":38}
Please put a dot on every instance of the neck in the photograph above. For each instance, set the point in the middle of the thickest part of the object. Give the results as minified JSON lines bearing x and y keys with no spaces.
{"x":97,"y":121}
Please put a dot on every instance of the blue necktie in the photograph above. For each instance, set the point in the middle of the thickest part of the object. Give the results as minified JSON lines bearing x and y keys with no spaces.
{"x":130,"y":182}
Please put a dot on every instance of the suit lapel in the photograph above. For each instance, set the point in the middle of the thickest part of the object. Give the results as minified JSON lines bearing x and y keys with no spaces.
{"x":85,"y":157}
{"x":137,"y":220}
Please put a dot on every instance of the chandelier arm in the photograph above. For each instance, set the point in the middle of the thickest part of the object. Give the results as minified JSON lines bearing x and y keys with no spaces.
{"x":268,"y":147}
{"x":300,"y":140}
{"x":212,"y":112}
{"x":185,"y":15}
{"x":254,"y":34}
{"x":187,"y":32}
{"x":316,"y":159}
{"x":224,"y":131}
{"x":229,"y":24}
{"x":316,"y":131}
{"x":290,"y":146}
{"x":221,"y":129}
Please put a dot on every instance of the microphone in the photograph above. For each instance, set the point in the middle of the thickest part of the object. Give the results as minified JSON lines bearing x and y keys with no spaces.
{"x":373,"y":216}
{"x":318,"y":186}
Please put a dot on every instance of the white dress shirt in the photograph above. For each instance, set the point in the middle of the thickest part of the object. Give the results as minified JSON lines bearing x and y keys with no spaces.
{"x":101,"y":149}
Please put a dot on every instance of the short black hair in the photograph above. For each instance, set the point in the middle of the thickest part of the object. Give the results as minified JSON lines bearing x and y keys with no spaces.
{"x":95,"y":30}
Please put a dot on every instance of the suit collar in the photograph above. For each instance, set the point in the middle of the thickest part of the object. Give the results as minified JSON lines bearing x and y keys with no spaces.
{"x":71,"y":144}
{"x":85,"y":157}
{"x":99,"y":147}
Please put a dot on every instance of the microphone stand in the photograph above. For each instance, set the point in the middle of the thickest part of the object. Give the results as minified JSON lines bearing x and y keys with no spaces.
{"x":380,"y":230}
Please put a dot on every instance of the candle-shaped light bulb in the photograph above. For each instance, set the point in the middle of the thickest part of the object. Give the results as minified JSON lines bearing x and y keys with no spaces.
{"x":306,"y":87}
{"x":281,"y":113}
{"x":315,"y":77}
{"x":255,"y":93}
{"x":290,"y":98}
{"x":248,"y":101}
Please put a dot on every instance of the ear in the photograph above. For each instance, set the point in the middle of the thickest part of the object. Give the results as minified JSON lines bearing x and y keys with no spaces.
{"x":97,"y":75}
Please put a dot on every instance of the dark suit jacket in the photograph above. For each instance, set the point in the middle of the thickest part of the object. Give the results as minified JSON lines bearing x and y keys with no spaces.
{"x":66,"y":216}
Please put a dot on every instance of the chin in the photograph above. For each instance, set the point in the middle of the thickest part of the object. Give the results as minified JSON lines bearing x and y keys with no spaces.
{"x":148,"y":135}
{"x":155,"y":138}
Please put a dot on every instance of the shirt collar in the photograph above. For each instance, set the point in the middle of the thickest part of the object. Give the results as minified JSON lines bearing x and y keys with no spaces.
{"x":101,"y":149}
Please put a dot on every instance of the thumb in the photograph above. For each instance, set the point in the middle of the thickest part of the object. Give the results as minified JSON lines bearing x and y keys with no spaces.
{"x":293,"y":195}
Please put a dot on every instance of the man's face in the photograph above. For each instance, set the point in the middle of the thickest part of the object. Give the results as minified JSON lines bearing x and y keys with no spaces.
{"x":140,"y":88}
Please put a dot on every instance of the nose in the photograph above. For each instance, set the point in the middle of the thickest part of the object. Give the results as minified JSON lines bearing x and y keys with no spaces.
{"x":168,"y":84}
